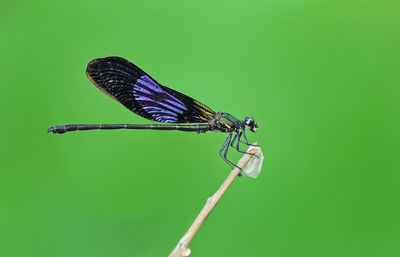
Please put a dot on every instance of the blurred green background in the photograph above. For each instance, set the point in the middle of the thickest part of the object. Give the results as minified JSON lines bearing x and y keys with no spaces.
{"x":321,"y":78}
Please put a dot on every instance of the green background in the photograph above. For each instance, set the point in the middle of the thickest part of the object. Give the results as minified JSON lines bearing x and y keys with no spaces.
{"x":321,"y":78}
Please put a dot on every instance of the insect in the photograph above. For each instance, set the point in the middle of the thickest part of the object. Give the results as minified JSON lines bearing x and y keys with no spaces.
{"x":128,"y":84}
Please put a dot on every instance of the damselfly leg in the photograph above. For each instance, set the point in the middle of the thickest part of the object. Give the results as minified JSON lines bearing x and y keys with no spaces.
{"x":224,"y":151}
{"x":237,"y":139}
{"x":245,"y":140}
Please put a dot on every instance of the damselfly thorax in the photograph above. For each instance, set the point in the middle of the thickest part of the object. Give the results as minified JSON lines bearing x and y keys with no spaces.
{"x":224,"y":122}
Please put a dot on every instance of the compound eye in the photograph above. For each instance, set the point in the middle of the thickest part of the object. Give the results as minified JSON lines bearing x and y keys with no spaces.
{"x":248,"y":120}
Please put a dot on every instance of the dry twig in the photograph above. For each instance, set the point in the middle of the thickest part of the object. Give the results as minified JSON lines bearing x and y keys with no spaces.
{"x":182,"y":249}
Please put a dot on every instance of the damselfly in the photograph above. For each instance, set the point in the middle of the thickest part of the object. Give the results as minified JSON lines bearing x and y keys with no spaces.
{"x":128,"y":84}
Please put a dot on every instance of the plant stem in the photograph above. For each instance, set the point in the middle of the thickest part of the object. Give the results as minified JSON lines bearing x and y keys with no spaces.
{"x":182,"y":249}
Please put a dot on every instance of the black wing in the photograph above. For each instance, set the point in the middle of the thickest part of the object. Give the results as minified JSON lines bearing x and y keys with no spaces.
{"x":137,"y":91}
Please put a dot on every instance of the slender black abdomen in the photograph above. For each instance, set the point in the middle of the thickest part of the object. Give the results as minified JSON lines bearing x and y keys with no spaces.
{"x":199,"y":128}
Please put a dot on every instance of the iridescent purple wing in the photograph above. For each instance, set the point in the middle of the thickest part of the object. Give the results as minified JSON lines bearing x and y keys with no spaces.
{"x":137,"y":91}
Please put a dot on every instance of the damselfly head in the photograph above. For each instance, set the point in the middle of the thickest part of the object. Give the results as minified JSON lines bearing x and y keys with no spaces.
{"x":250,"y":124}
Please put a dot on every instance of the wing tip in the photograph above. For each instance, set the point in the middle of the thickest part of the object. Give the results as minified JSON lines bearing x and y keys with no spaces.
{"x":92,"y":66}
